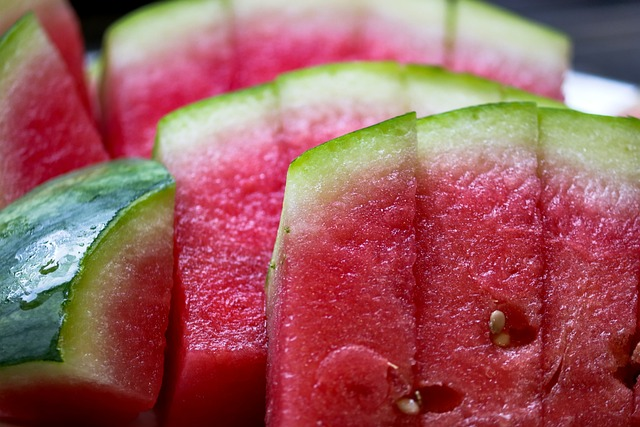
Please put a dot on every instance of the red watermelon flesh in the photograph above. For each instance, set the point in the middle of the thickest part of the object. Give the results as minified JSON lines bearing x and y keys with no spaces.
{"x":408,"y":31}
{"x":340,"y":293}
{"x":591,"y":201}
{"x":479,"y":237}
{"x":45,"y":130}
{"x":158,"y":59}
{"x":61,"y":24}
{"x":494,"y":43}
{"x":279,"y":35}
{"x":228,"y":172}
{"x":273,"y":116}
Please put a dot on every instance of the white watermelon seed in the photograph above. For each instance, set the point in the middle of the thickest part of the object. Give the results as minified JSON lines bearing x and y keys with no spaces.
{"x":408,"y":406}
{"x":502,"y":339}
{"x":497,"y":321}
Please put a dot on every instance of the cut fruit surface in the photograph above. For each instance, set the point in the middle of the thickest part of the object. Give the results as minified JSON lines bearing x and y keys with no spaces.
{"x":61,"y":24}
{"x":146,"y":78}
{"x":497,"y":44}
{"x":237,"y":146}
{"x":84,"y":295}
{"x":226,"y":158}
{"x":340,"y":317}
{"x":591,"y":203}
{"x":45,"y":130}
{"x":214,"y":46}
{"x":479,"y":261}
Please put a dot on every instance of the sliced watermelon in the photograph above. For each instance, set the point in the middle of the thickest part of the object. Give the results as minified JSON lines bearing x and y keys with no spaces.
{"x":479,"y":260}
{"x":212,"y":46}
{"x":237,"y":146}
{"x":494,"y":43}
{"x":591,"y":205}
{"x":157,"y":59}
{"x":84,"y":295}
{"x":227,"y":161}
{"x":340,"y":294}
{"x":44,"y":128}
{"x":63,"y":29}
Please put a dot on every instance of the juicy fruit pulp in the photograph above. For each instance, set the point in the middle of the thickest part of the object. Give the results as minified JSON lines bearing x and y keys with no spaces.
{"x":86,"y":276}
{"x":240,"y":144}
{"x":340,"y":302}
{"x":214,"y":46}
{"x":506,"y":291}
{"x":61,"y":24}
{"x":44,"y":128}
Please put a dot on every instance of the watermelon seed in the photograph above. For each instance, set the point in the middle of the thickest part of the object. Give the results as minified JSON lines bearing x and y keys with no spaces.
{"x":408,"y":406}
{"x":392,"y":365}
{"x":502,"y":339}
{"x":497,"y":321}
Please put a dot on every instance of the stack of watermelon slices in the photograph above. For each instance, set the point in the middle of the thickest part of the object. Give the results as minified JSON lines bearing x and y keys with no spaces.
{"x":522,"y":301}
{"x":225,"y":235}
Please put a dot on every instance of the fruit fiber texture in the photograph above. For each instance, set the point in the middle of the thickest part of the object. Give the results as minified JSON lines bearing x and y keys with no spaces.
{"x":240,"y":145}
{"x":479,"y":237}
{"x":62,"y":27}
{"x":84,"y":296}
{"x":525,"y":276}
{"x":341,"y":296}
{"x":45,"y":130}
{"x":590,"y":206}
{"x":169,"y":54}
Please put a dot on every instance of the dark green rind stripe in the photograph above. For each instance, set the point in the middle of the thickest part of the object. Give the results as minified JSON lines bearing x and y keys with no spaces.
{"x":45,"y":238}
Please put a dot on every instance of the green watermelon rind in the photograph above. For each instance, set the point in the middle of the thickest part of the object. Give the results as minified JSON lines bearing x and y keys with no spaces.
{"x":509,"y":29}
{"x":196,"y":126}
{"x":13,"y":44}
{"x":488,"y":126}
{"x":60,"y":208}
{"x":149,"y":31}
{"x":605,"y":145}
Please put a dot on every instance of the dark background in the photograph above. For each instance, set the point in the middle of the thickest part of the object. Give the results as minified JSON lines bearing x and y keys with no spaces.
{"x":605,"y":33}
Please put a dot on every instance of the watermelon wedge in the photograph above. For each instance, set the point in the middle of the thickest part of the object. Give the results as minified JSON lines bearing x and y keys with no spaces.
{"x":157,"y":59}
{"x":169,"y":54}
{"x":590,"y":206}
{"x":338,"y":259}
{"x":61,"y":24}
{"x":85,"y":282}
{"x":224,"y":236}
{"x":494,"y":43}
{"x":479,"y":261}
{"x":45,"y":130}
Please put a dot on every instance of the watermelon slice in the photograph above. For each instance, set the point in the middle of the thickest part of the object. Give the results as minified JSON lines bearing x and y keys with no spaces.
{"x":494,"y":43}
{"x":213,"y":46}
{"x":338,"y":259}
{"x":591,"y":205}
{"x":84,"y":295}
{"x":219,"y":286}
{"x":63,"y":29}
{"x":44,"y":128}
{"x":157,"y":59}
{"x":224,"y":238}
{"x":479,"y":260}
